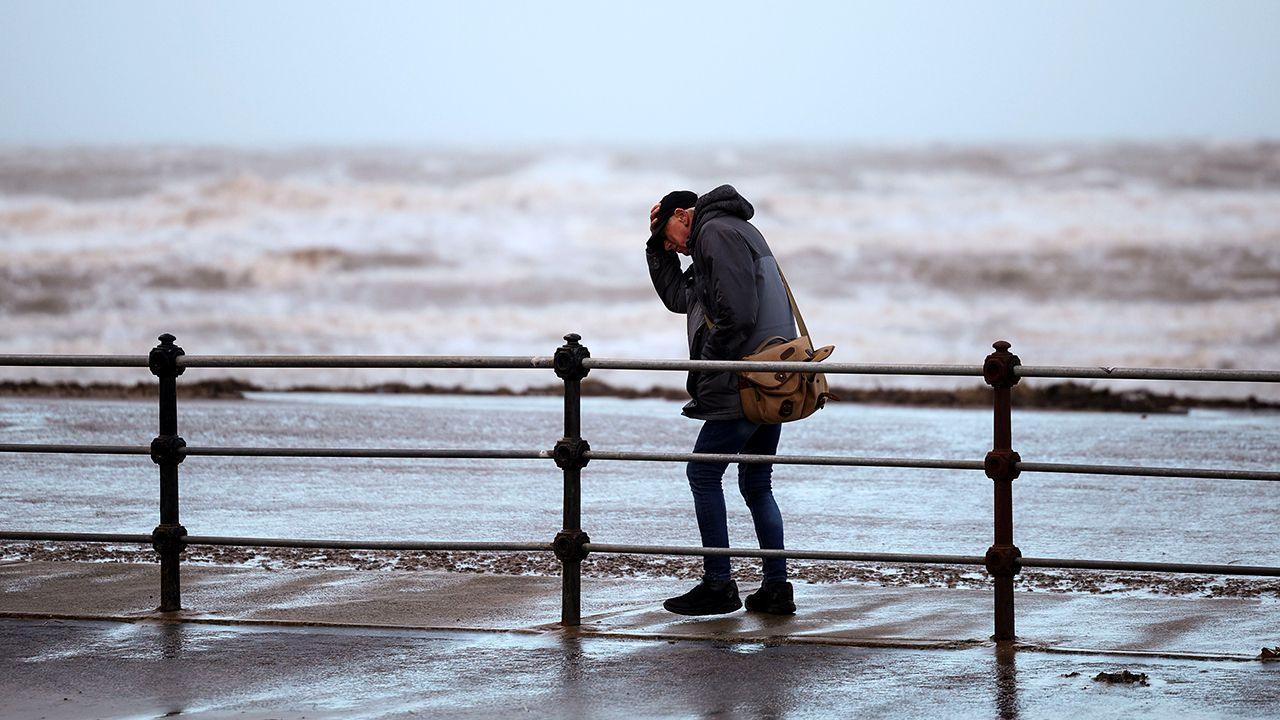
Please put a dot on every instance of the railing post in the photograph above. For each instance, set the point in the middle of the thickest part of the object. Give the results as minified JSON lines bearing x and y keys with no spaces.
{"x":166,"y":451}
{"x":1001,"y":465}
{"x":570,"y":455}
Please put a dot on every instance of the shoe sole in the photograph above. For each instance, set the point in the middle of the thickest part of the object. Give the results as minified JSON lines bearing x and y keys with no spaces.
{"x":692,"y":613}
{"x":772,"y":609}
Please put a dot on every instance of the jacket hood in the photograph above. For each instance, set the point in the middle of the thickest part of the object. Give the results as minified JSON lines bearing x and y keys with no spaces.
{"x":722,"y":201}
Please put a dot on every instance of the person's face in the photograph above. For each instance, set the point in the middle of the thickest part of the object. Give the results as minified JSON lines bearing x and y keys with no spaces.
{"x":677,"y":231}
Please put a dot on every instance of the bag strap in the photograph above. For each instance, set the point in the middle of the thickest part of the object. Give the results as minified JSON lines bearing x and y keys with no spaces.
{"x":804,"y":331}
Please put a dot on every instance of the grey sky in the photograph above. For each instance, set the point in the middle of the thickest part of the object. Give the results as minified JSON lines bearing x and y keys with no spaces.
{"x":477,"y":73}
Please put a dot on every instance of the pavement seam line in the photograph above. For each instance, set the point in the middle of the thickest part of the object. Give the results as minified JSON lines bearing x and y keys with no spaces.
{"x":611,"y":634}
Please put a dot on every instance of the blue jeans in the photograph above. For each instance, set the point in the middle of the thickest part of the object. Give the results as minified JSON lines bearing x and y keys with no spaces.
{"x":755,"y":483}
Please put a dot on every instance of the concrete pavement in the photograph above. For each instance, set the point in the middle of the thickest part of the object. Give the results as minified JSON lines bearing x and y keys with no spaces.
{"x":95,"y":669}
{"x":81,"y":640}
{"x":829,"y":613}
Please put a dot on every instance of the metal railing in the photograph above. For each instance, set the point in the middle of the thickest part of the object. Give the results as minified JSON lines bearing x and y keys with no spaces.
{"x":571,"y":363}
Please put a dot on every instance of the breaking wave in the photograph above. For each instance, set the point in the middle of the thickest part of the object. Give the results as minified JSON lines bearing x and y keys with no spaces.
{"x":1113,"y":255}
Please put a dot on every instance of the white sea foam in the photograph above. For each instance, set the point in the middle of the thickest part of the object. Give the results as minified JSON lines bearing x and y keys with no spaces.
{"x":1127,"y":255}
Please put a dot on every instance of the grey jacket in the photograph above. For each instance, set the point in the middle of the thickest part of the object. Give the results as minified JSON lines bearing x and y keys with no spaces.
{"x":735,"y":284}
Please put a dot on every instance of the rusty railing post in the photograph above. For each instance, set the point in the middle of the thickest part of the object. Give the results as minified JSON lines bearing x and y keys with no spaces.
{"x":570,"y":456}
{"x":1001,"y":465}
{"x":166,"y":451}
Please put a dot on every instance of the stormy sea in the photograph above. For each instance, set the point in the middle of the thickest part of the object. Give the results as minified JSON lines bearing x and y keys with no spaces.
{"x":1116,"y":255}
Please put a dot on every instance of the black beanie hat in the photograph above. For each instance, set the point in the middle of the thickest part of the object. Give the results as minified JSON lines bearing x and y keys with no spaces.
{"x":674,"y":199}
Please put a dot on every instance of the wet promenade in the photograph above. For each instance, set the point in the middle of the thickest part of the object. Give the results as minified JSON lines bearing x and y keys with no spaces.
{"x":82,"y":640}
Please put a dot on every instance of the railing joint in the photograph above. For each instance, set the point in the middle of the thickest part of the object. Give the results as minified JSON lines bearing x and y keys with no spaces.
{"x":1003,"y":560}
{"x":163,"y":359}
{"x":1000,"y":367}
{"x":1002,"y":465}
{"x":168,"y":449}
{"x":570,"y":453}
{"x":169,"y":538}
{"x":568,"y":545}
{"x":568,"y":358}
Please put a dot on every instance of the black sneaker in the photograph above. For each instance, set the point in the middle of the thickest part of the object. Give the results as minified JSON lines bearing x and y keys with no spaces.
{"x":708,"y":598}
{"x":774,"y":598}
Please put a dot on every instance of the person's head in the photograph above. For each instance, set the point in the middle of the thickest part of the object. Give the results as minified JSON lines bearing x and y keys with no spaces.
{"x":676,"y":232}
{"x":673,"y":221}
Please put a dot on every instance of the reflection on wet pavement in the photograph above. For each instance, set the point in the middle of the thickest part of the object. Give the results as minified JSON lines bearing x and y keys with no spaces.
{"x":149,"y":669}
{"x":1006,"y":681}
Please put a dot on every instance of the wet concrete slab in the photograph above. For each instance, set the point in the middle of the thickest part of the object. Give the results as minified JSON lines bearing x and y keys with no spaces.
{"x":150,"y":669}
{"x":631,"y":608}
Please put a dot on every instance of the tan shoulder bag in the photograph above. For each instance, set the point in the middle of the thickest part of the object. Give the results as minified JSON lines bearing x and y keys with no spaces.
{"x":778,"y":397}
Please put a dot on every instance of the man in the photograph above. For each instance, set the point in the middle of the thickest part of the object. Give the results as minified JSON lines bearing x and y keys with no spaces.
{"x":734,"y":300}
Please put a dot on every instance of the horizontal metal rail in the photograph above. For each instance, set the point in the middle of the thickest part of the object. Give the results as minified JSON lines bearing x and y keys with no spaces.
{"x":285,"y":361}
{"x":75,"y":449}
{"x":907,"y":558}
{"x":1206,"y":473}
{"x":446,"y":453}
{"x":307,"y":543}
{"x":1138,"y":471}
{"x":76,"y":537}
{"x":1067,"y":564}
{"x":364,"y":361}
{"x":544,"y":362}
{"x":1119,"y":373}
{"x":601,"y":455}
{"x":368,"y":544}
{"x":754,"y":366}
{"x":73,"y":361}
{"x":1177,"y":568}
{"x":786,"y":460}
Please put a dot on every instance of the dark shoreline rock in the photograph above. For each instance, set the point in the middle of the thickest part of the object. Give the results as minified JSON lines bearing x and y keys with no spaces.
{"x":1124,"y":677}
{"x":1054,"y":396}
{"x":1051,"y":580}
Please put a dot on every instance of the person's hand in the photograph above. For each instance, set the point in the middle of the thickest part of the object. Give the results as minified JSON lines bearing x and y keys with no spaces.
{"x":655,"y":245}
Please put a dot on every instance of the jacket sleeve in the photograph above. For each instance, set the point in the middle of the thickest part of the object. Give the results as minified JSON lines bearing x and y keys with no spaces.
{"x":664,"y":271}
{"x":730,"y":270}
